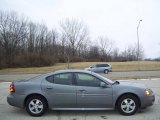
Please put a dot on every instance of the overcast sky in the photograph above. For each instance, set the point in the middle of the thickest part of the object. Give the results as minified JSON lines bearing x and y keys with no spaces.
{"x":116,"y":19}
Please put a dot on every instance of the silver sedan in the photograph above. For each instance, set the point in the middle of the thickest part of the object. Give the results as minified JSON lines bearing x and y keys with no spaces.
{"x":78,"y":90}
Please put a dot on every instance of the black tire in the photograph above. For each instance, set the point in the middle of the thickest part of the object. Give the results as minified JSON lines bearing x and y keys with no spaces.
{"x":106,"y":71}
{"x":128,"y":105}
{"x":35,"y":102}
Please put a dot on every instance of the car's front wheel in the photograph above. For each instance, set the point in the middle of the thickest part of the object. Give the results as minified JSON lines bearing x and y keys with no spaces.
{"x":128,"y":105}
{"x":36,"y":105}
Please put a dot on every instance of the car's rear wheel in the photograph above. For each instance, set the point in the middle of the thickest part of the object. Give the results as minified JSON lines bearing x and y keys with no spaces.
{"x":36,"y":105}
{"x":128,"y":105}
{"x":106,"y":71}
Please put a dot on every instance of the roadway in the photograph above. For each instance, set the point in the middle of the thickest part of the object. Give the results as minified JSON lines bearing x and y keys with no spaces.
{"x":8,"y":112}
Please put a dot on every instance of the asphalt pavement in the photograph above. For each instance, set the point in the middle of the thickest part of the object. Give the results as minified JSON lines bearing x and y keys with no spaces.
{"x":8,"y":112}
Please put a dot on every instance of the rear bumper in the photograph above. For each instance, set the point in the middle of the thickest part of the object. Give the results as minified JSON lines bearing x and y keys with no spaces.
{"x":16,"y":100}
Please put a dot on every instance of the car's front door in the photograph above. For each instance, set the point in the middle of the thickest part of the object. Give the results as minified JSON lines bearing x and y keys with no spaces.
{"x":90,"y":94}
{"x":61,"y":91}
{"x":93,"y":68}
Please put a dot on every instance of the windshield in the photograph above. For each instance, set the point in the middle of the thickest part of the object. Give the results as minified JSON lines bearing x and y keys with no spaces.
{"x":104,"y":78}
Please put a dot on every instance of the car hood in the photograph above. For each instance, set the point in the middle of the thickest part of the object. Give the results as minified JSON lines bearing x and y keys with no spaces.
{"x":87,"y":68}
{"x":133,"y":84}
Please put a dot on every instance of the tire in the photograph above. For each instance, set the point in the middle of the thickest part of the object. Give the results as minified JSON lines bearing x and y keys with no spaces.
{"x":106,"y":71}
{"x":128,"y":105}
{"x":36,"y":105}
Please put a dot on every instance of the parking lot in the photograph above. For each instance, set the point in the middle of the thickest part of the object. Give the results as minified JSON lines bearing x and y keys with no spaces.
{"x":8,"y":112}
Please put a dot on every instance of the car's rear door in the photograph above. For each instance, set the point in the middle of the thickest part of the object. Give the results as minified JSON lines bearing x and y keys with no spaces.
{"x":90,"y":94}
{"x":99,"y":68}
{"x":61,"y":92}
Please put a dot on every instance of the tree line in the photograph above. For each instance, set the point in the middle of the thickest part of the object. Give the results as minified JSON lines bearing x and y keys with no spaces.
{"x":24,"y":43}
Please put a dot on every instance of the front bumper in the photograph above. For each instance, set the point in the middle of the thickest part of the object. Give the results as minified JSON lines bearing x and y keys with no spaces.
{"x":147,"y":101}
{"x":16,"y":100}
{"x":110,"y":70}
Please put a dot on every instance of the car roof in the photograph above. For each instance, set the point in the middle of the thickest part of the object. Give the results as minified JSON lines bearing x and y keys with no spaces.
{"x":43,"y":76}
{"x":72,"y":70}
{"x":60,"y":71}
{"x":67,"y":70}
{"x":102,"y":64}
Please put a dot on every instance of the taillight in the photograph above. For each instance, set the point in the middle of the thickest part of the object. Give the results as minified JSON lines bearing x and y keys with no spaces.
{"x":11,"y":88}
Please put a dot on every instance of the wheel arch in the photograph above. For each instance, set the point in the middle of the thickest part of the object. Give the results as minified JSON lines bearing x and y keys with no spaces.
{"x":35,"y":94}
{"x":133,"y":94}
{"x":106,"y":70}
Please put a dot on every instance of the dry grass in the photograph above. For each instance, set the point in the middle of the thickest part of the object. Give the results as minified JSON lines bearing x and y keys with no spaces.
{"x":116,"y":66}
{"x":133,"y":66}
{"x":132,"y":77}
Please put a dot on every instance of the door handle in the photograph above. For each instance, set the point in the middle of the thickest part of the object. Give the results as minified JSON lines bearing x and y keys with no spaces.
{"x":82,"y":90}
{"x":49,"y":88}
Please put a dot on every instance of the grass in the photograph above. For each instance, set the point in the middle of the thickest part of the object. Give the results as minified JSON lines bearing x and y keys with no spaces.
{"x":132,"y":77}
{"x":116,"y":66}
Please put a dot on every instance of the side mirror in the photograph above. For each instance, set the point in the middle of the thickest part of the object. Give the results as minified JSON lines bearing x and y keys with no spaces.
{"x":103,"y":85}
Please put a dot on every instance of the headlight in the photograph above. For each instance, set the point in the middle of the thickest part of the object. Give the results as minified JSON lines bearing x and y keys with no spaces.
{"x":148,"y":92}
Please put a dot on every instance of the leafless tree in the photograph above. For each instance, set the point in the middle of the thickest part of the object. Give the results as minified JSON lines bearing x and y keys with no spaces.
{"x":24,"y":43}
{"x":115,"y":55}
{"x":75,"y":33}
{"x":130,"y":53}
{"x":31,"y":38}
{"x":94,"y":53}
{"x":13,"y":31}
{"x":105,"y":46}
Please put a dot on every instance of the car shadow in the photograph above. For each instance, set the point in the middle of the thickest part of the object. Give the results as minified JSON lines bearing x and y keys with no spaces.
{"x":79,"y":114}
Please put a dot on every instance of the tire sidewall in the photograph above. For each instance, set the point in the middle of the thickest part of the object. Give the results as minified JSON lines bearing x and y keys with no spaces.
{"x":130,"y":97}
{"x":43,"y":102}
{"x":106,"y":71}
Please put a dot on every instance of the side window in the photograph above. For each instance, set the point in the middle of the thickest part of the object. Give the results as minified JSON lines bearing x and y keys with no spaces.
{"x":106,"y":65}
{"x":50,"y":79}
{"x":99,"y":65}
{"x":93,"y":66}
{"x":102,"y":65}
{"x":87,"y":80}
{"x":64,"y":78}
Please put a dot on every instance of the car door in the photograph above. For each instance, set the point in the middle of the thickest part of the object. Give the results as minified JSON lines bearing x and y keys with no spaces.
{"x":90,"y":94}
{"x":60,"y":90}
{"x":93,"y":68}
{"x":99,"y":68}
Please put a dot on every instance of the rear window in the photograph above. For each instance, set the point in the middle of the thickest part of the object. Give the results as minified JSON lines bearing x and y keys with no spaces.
{"x":50,"y":79}
{"x":63,"y":78}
